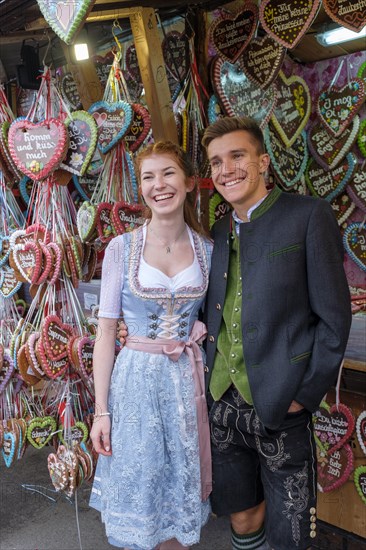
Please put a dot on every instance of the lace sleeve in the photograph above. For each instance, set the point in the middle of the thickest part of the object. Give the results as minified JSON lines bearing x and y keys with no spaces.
{"x":112,"y":280}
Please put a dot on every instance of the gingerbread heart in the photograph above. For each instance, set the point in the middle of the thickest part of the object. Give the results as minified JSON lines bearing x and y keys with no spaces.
{"x":327,"y":150}
{"x":113,"y":121}
{"x":361,"y":430}
{"x":337,"y":107}
{"x":86,"y":185}
{"x":327,"y":184}
{"x":359,"y":477}
{"x":239,"y":96}
{"x":354,"y":241}
{"x":104,"y":221}
{"x":76,"y":434}
{"x":103,"y":66}
{"x":6,"y":371}
{"x":214,"y":110}
{"x":349,"y":14}
{"x":66,"y":17}
{"x":40,"y":431}
{"x":333,"y":426}
{"x":28,"y":260}
{"x":287,"y":22}
{"x":139,"y":129}
{"x":175,"y":47}
{"x":69,"y":91}
{"x":334,"y":469}
{"x":10,"y":448}
{"x":288,"y":163}
{"x":342,"y":207}
{"x":9,"y":284}
{"x":25,"y":189}
{"x":37,"y":149}
{"x":4,"y":149}
{"x":126,"y":217}
{"x":86,"y":221}
{"x":55,"y":335}
{"x":58,"y":472}
{"x":262,"y":60}
{"x":83,"y":134}
{"x":134,"y":87}
{"x":230,"y":34}
{"x":218,"y":207}
{"x":356,"y":188}
{"x":361,"y":138}
{"x":4,"y":249}
{"x":293,"y":107}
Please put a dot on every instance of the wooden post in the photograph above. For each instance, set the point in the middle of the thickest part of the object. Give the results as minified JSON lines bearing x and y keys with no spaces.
{"x":152,"y":67}
{"x":85,"y":77}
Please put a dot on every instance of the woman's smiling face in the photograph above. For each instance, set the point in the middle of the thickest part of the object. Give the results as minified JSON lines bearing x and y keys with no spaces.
{"x":164,"y":185}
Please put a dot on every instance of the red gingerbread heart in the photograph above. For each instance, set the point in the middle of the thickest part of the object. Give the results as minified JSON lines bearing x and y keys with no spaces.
{"x":334,"y":469}
{"x":139,"y":129}
{"x":333,"y":426}
{"x":55,"y":336}
{"x":126,"y":217}
{"x":38,"y":149}
{"x":349,"y":14}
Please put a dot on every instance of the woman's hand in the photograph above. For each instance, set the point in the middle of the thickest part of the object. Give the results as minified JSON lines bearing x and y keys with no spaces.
{"x":122,"y":333}
{"x":100,"y":435}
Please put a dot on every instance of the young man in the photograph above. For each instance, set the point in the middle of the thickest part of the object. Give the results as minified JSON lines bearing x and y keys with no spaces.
{"x":278,"y":317}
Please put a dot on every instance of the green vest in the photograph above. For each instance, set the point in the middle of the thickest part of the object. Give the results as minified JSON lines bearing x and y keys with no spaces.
{"x":229,"y":365}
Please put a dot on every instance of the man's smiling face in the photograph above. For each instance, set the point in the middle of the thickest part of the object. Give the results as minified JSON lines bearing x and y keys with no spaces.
{"x":237,"y":169}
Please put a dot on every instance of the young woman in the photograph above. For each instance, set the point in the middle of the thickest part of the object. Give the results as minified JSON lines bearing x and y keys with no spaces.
{"x":150,"y":426}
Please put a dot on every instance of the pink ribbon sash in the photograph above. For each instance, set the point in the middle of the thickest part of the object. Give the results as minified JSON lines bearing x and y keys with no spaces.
{"x":174,"y":349}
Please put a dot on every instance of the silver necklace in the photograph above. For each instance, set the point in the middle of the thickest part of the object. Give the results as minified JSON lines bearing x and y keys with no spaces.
{"x":168,"y":247}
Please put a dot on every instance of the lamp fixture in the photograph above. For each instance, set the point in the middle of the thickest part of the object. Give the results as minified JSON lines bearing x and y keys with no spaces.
{"x":338,"y":35}
{"x":81,"y":51}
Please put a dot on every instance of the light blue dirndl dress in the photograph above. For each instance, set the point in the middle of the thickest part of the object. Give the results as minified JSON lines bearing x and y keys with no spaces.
{"x":149,"y":490}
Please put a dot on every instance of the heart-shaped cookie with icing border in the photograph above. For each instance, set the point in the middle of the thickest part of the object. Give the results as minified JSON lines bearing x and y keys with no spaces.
{"x":361,"y":430}
{"x":84,"y":352}
{"x":238,"y":95}
{"x":334,"y":470}
{"x":359,"y":477}
{"x":139,"y":129}
{"x":292,"y":109}
{"x":354,"y":241}
{"x":26,"y":371}
{"x":83,"y":134}
{"x":337,"y":107}
{"x":214,"y":110}
{"x":327,"y":184}
{"x":6,"y":371}
{"x":58,"y":472}
{"x":76,"y":434}
{"x":288,"y":163}
{"x":113,"y":121}
{"x":86,"y":221}
{"x":28,"y":260}
{"x":10,"y":448}
{"x":218,"y":207}
{"x":262,"y":60}
{"x":40,"y":431}
{"x":175,"y":48}
{"x":69,"y":91}
{"x":342,"y":208}
{"x":4,"y":149}
{"x":37,"y":149}
{"x":230,"y":34}
{"x":356,"y":188}
{"x":55,"y":335}
{"x":361,"y":138}
{"x":333,"y":426}
{"x":126,"y":217}
{"x":104,"y":222}
{"x":347,"y":13}
{"x":4,"y":249}
{"x":65,"y":17}
{"x":327,"y":150}
{"x":287,"y":22}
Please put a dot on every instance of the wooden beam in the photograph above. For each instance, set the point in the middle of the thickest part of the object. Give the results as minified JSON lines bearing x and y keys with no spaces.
{"x":17,"y":37}
{"x":152,"y":67}
{"x":85,"y":77}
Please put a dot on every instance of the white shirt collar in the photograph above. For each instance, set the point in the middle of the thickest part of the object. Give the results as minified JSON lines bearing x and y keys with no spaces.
{"x":238,"y":221}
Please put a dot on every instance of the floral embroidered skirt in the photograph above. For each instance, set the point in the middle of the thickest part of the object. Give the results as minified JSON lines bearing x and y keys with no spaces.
{"x":149,"y":490}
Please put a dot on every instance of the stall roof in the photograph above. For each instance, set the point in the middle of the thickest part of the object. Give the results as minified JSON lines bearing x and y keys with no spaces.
{"x":21,"y":19}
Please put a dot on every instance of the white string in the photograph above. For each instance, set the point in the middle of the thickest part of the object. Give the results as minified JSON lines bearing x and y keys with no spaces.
{"x":339,"y":384}
{"x":335,"y":78}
